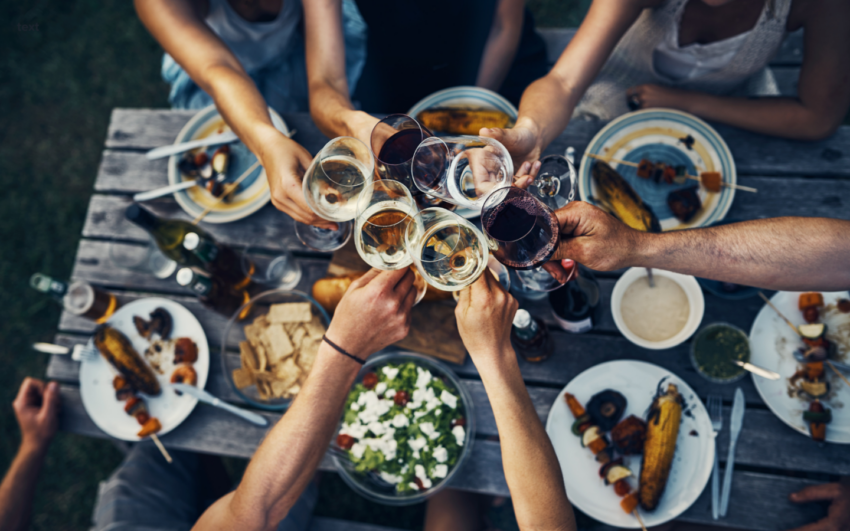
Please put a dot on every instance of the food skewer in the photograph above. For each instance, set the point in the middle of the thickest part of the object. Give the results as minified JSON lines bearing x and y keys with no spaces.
{"x":639,"y":519}
{"x":162,"y":449}
{"x":796,"y":331}
{"x":228,"y":189}
{"x":692,"y":177}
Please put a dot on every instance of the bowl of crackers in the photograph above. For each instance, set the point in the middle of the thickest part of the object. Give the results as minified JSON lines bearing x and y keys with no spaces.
{"x":269,"y":346}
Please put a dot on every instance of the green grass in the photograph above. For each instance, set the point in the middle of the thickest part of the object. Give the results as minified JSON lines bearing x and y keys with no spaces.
{"x":60,"y":81}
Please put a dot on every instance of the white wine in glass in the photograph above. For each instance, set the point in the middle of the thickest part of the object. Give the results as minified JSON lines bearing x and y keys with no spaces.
{"x":332,"y":186}
{"x":448,"y":251}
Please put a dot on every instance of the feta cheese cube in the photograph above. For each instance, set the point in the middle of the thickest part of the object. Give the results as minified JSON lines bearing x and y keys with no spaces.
{"x":459,"y":434}
{"x":400,"y":421}
{"x":440,"y":471}
{"x":440,"y":454}
{"x":358,"y":450}
{"x":448,"y":399}
{"x":390,"y":372}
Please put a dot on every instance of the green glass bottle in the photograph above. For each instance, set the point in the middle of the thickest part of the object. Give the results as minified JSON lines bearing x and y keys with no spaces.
{"x":167,"y":233}
{"x":213,"y":292}
{"x":220,"y":260}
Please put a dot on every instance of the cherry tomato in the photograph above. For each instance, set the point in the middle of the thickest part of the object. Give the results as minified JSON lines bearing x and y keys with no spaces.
{"x":201,"y":159}
{"x":370,"y":380}
{"x":142,"y":417}
{"x":345,"y":441}
{"x":401,"y":398}
{"x":622,"y":487}
{"x":419,"y":483}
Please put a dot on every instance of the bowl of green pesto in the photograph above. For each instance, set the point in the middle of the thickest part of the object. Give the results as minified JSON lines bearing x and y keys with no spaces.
{"x":716,"y":348}
{"x":406,"y":428}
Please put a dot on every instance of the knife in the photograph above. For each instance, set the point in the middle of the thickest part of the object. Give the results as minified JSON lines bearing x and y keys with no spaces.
{"x":755,"y":369}
{"x":735,"y":425}
{"x":204,"y":396}
{"x":173,"y":149}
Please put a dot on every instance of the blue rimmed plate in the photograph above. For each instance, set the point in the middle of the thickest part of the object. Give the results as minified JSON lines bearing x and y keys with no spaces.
{"x":657,"y":135}
{"x":252,"y":194}
{"x":465,"y":98}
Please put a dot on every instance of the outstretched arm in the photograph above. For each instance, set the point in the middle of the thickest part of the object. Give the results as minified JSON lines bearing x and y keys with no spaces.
{"x":788,"y":253}
{"x":484,"y":315}
{"x":37,"y":410}
{"x":287,"y":459}
{"x":502,"y":44}
{"x":823,"y":94}
{"x":180,"y":30}
{"x":330,"y":105}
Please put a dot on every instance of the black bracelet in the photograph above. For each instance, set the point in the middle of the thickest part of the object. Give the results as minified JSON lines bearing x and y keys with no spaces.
{"x":341,"y":351}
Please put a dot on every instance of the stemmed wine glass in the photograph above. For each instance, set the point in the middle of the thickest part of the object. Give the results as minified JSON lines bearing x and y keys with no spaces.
{"x":331,"y":186}
{"x":461,"y":170}
{"x":384,"y":211}
{"x":449,"y":252}
{"x":522,"y":232}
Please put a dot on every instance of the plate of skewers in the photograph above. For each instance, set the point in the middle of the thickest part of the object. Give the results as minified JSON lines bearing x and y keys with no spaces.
{"x":805,"y":337}
{"x":133,"y":357}
{"x":215,"y":167}
{"x":634,"y":441}
{"x":659,"y":170}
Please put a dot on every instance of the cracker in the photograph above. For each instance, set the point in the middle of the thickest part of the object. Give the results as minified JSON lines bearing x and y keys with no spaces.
{"x":308,"y":353}
{"x":298,"y":336}
{"x":293,"y":391}
{"x":243,"y":378}
{"x":315,"y":328}
{"x":248,"y":357}
{"x":262,"y":358}
{"x":278,"y":344}
{"x":264,"y":389}
{"x":286,"y":374}
{"x":290,"y":312}
{"x":254,"y":333}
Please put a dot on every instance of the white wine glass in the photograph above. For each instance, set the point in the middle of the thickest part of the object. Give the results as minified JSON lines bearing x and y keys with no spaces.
{"x":331,"y":186}
{"x":461,"y":170}
{"x":449,"y":252}
{"x":556,"y":182}
{"x":384,"y":210}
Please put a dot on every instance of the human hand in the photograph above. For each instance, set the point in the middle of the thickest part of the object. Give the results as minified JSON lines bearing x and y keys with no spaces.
{"x":838,"y":494}
{"x":648,"y":96}
{"x":37,"y":410}
{"x":374,"y":312}
{"x":485,"y":313}
{"x":594,"y":238}
{"x":285,"y":163}
{"x":521,"y":141}
{"x":360,"y":126}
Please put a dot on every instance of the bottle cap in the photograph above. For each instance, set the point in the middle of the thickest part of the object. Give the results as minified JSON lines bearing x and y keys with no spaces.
{"x":522,"y":319}
{"x":185,"y":276}
{"x":191,"y":241}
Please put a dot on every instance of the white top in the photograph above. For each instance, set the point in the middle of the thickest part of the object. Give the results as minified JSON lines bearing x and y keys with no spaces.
{"x":694,"y":60}
{"x":255,"y":44}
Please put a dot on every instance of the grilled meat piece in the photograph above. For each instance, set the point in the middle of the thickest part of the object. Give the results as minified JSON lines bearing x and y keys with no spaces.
{"x":684,"y":203}
{"x":119,"y":352}
{"x":160,"y":323}
{"x":629,"y":435}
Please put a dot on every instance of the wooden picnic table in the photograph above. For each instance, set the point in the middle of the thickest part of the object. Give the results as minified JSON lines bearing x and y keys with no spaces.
{"x":793,"y":178}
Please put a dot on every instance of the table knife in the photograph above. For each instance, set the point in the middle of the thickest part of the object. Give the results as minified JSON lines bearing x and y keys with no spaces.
{"x":173,"y":149}
{"x":735,"y":430}
{"x":204,"y":396}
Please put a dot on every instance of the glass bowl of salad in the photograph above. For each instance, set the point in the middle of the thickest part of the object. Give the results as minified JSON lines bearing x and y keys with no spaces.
{"x":407,"y":427}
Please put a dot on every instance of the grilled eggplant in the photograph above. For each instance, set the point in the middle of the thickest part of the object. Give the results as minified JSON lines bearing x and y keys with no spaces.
{"x":119,"y":352}
{"x":462,"y":121}
{"x":665,"y":415}
{"x":618,"y":196}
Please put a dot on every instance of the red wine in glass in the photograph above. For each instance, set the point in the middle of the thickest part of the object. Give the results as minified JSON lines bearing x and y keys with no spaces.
{"x":525,"y":230}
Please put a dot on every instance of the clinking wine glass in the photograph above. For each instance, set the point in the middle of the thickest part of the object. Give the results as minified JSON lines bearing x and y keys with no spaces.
{"x":449,"y":252}
{"x":331,"y":186}
{"x":555,"y":183}
{"x":461,"y":170}
{"x":384,"y":210}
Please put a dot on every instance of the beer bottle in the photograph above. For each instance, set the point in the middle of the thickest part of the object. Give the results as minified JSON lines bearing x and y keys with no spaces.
{"x":78,"y":297}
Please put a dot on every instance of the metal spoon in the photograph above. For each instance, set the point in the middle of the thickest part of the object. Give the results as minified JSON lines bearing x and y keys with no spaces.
{"x":755,"y":369}
{"x":649,"y":277}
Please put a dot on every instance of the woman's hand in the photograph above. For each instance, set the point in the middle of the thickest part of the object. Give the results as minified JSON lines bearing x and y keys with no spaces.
{"x":522,"y":141}
{"x":374,"y":312}
{"x":649,"y":96}
{"x":37,"y":410}
{"x":485,"y":313}
{"x":285,"y":162}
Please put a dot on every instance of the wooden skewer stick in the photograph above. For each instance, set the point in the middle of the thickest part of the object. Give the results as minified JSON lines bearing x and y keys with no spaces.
{"x":162,"y":449}
{"x":228,"y":189}
{"x":693,"y":177}
{"x":797,"y":331}
{"x":639,"y":519}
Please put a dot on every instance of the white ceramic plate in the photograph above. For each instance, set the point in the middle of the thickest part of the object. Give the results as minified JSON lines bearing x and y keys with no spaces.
{"x":772,"y":345}
{"x":465,"y":98}
{"x":253,"y":193}
{"x":637,"y":381}
{"x":695,"y":299}
{"x":656,"y":134}
{"x":96,"y":374}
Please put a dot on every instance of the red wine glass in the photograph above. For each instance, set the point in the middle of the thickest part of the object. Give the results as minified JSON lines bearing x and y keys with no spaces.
{"x":522,"y":231}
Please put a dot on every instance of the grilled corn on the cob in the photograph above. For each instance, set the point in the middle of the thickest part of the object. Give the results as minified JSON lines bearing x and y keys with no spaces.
{"x":665,"y":415}
{"x":462,"y":121}
{"x":119,"y":352}
{"x":618,"y":196}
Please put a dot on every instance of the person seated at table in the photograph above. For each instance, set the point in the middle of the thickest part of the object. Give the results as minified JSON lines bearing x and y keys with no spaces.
{"x":246,"y":56}
{"x":413,"y":50}
{"x":785,"y":253}
{"x":705,"y":57}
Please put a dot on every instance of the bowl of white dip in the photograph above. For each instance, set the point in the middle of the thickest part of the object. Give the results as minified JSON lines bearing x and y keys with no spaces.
{"x":661,"y":317}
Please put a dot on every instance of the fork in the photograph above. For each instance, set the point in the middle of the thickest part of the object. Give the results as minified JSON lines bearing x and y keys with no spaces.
{"x":78,"y":353}
{"x":715,"y":411}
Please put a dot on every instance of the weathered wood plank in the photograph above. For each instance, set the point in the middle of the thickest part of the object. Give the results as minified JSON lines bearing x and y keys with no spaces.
{"x":206,"y":430}
{"x":556,"y":39}
{"x":94,"y":265}
{"x":334,"y":524}
{"x":105,"y":220}
{"x":130,"y":172}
